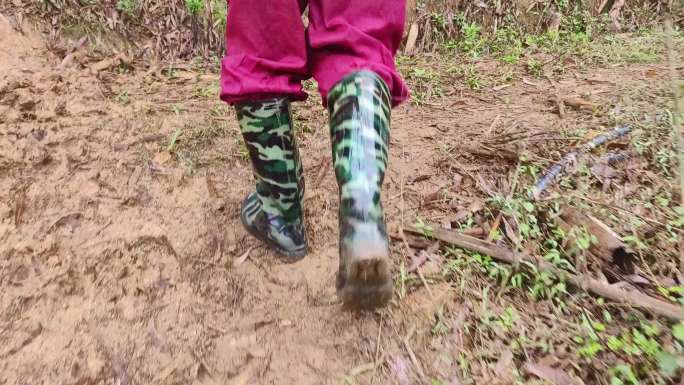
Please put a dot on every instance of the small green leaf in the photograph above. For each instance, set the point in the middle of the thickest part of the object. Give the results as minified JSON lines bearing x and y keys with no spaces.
{"x":677,"y":289}
{"x":607,"y":316}
{"x":528,"y":206}
{"x":667,"y":363}
{"x":599,"y":327}
{"x":615,"y":343}
{"x":678,"y":331}
{"x":651,"y":330}
{"x":590,"y":349}
{"x":583,"y":243}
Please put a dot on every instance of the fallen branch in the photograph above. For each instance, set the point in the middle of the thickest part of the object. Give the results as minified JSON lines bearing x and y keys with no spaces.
{"x":559,"y":167}
{"x":632,"y":297}
{"x":609,"y":247}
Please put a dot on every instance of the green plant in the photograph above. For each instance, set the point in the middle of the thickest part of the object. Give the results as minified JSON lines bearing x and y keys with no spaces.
{"x":535,"y":67}
{"x":623,"y":374}
{"x":508,"y":44}
{"x":472,"y":78}
{"x":472,"y":43}
{"x":122,"y":97}
{"x":220,"y":10}
{"x":194,"y":6}
{"x":173,"y":140}
{"x":127,"y":7}
{"x":205,"y":92}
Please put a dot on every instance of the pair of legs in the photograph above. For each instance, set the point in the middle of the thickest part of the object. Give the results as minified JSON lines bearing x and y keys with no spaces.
{"x":269,"y":52}
{"x":349,"y":48}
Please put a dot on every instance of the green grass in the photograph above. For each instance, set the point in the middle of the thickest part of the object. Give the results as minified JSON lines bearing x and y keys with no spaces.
{"x":194,"y":145}
{"x":608,"y":343}
{"x":547,"y":54}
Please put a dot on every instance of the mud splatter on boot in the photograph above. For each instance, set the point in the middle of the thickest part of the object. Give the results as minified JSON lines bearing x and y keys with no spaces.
{"x":274,"y":212}
{"x":359,"y":107}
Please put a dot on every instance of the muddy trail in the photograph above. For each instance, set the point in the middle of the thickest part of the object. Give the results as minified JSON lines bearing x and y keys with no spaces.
{"x":123,"y":260}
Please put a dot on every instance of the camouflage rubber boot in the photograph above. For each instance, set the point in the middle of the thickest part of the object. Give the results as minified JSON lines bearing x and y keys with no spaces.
{"x":274,"y":212}
{"x":359,"y":107}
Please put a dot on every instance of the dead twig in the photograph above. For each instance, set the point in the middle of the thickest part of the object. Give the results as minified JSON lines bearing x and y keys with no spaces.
{"x":559,"y":167}
{"x":626,"y":211}
{"x":633,"y":298}
{"x":412,"y":355}
{"x":20,"y":205}
{"x":322,"y":172}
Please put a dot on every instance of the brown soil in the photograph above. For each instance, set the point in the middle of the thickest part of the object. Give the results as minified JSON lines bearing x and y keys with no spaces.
{"x":123,"y":263}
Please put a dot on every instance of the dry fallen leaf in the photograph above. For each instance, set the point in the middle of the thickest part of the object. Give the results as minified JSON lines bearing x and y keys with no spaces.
{"x":458,"y":180}
{"x":579,"y":104}
{"x":603,"y":171}
{"x":241,"y":259}
{"x":503,"y":366}
{"x":549,"y":374}
{"x":399,"y":370}
{"x":162,"y":157}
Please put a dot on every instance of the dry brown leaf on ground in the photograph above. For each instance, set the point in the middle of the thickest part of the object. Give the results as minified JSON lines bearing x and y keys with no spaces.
{"x":162,"y":157}
{"x":503,"y":370}
{"x":603,"y":171}
{"x":241,"y":259}
{"x":550,"y":375}
{"x":399,"y":369}
{"x":579,"y":104}
{"x":106,"y":64}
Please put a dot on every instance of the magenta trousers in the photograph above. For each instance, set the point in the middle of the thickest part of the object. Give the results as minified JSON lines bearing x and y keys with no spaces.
{"x":269,"y":52}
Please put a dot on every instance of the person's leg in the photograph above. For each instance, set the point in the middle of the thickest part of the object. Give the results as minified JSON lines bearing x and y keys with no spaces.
{"x":266,"y":51}
{"x":261,"y":74}
{"x":353,"y":44}
{"x":274,"y":213}
{"x":353,"y":35}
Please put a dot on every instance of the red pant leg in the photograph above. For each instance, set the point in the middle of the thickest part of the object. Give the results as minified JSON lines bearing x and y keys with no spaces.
{"x":266,"y":51}
{"x":350,"y":35}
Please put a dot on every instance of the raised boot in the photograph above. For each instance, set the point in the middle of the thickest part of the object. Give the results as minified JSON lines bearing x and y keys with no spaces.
{"x":274,"y":212}
{"x":359,"y":107}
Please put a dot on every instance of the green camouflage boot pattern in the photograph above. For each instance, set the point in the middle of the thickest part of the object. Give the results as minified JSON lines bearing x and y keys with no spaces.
{"x":274,"y":212}
{"x":359,"y":107}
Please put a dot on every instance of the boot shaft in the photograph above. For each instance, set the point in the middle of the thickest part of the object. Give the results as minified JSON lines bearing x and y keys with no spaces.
{"x":268,"y":133}
{"x":359,"y":126}
{"x":359,"y":109}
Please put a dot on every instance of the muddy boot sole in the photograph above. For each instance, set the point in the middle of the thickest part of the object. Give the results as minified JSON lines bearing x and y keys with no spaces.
{"x":366,"y":284}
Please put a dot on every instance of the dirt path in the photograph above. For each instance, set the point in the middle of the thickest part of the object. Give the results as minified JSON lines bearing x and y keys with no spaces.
{"x":124,"y":263}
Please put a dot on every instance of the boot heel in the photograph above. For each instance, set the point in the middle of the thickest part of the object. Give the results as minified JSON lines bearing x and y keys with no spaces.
{"x":368,"y":284}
